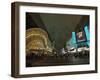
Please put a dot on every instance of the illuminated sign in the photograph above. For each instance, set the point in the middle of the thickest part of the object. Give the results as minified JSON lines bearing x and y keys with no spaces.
{"x":80,"y":36}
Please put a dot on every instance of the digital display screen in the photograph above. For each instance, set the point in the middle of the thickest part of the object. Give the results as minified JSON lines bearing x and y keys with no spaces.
{"x":80,"y":36}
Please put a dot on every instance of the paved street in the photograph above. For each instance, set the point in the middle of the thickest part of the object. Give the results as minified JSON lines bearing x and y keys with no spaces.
{"x":57,"y":60}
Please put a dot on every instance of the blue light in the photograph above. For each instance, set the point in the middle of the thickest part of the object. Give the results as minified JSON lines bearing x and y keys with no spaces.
{"x":87,"y":35}
{"x":73,"y":39}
